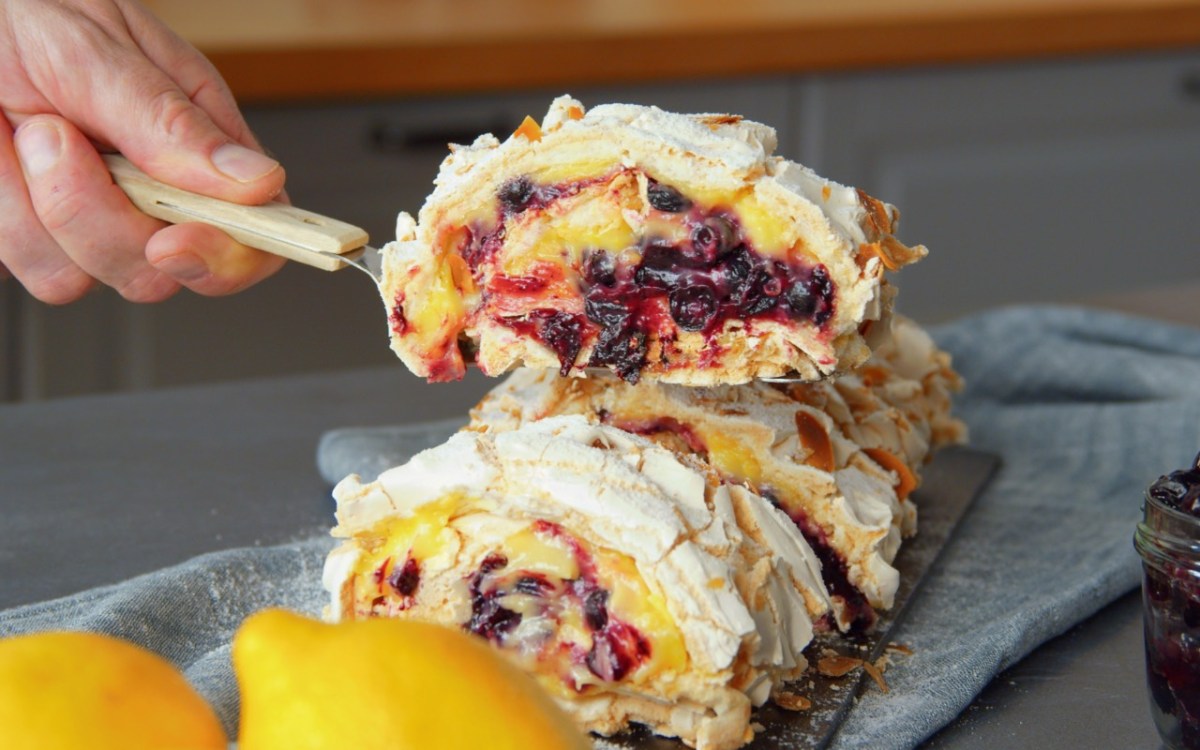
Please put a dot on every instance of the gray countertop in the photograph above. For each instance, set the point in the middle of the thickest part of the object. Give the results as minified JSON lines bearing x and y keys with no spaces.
{"x":94,"y":490}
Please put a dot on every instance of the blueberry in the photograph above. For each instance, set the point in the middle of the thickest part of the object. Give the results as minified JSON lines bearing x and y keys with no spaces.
{"x":755,"y":290}
{"x":623,"y":348}
{"x":1169,"y":490}
{"x":658,"y":268}
{"x":822,"y":287}
{"x":605,"y":661}
{"x":811,"y":298}
{"x":562,"y":332}
{"x":480,"y":248}
{"x":606,"y":311}
{"x":800,"y":300}
{"x":516,"y":194}
{"x":738,"y":267}
{"x":693,"y":307}
{"x":405,"y":579}
{"x":666,"y":198}
{"x":521,"y":194}
{"x":755,"y":299}
{"x":616,"y":650}
{"x":711,"y":240}
{"x":621,"y":342}
{"x":490,"y":620}
{"x":1179,"y":490}
{"x":595,"y":609}
{"x":493,"y":562}
{"x":599,"y":268}
{"x":533,"y":584}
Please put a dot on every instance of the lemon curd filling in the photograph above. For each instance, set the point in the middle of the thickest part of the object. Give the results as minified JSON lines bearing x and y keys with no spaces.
{"x":732,"y":457}
{"x":436,"y":321}
{"x":577,"y":614}
{"x":397,"y":543}
{"x":645,"y":609}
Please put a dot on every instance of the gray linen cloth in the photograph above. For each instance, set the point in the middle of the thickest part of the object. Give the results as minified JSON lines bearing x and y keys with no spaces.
{"x":1085,"y":408}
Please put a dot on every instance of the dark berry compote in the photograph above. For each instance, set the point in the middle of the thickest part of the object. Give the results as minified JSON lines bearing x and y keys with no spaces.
{"x":1168,"y":540}
{"x":690,"y":270}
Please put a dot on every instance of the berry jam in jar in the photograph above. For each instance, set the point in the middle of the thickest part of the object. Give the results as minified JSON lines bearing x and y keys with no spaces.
{"x":1168,"y":540}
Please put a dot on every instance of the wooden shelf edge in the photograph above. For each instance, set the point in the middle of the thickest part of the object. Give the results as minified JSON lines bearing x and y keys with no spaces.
{"x":268,"y":75}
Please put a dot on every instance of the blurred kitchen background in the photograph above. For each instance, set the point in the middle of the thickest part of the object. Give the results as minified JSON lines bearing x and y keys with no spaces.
{"x":1043,"y":151}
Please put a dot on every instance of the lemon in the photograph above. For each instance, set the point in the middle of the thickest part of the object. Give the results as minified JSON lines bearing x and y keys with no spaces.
{"x":385,"y":683}
{"x":71,"y":691}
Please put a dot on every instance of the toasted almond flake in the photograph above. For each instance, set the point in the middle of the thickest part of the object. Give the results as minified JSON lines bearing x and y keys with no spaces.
{"x":872,"y":375}
{"x":868,"y":250}
{"x":815,"y":440}
{"x":789,"y":701}
{"x":876,"y":674}
{"x":805,"y":393}
{"x":890,"y":462}
{"x":900,"y":648}
{"x":877,"y":217}
{"x":838,"y":666}
{"x":529,"y":129}
{"x":901,"y":254}
{"x":714,"y":121}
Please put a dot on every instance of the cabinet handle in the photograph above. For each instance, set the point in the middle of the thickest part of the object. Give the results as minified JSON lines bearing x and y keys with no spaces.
{"x":394,"y":138}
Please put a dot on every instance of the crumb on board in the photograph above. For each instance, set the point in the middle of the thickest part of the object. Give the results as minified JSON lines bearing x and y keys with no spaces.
{"x":840,"y":666}
{"x":789,"y":701}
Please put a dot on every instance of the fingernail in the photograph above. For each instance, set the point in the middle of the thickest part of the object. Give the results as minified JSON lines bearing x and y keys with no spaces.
{"x":241,"y":163}
{"x":38,"y":147}
{"x":183,"y":267}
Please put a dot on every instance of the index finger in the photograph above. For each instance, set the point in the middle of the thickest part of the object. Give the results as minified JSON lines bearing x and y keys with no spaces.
{"x":194,"y":73}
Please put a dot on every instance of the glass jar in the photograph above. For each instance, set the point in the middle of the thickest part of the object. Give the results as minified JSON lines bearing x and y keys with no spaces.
{"x":1168,"y":541}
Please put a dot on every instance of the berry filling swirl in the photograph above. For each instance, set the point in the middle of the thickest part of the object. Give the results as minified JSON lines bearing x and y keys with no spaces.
{"x":663,"y":247}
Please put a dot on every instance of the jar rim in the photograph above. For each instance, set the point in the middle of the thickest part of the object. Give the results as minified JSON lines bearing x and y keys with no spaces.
{"x":1167,"y":535}
{"x":1176,"y":513}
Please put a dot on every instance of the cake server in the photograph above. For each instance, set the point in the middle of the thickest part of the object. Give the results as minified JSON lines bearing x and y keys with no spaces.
{"x":277,"y":228}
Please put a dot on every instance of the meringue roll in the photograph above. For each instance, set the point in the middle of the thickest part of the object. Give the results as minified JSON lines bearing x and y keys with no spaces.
{"x":663,"y":247}
{"x":840,"y":457}
{"x":628,"y":579}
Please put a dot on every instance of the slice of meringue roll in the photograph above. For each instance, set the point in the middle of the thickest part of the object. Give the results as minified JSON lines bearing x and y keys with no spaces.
{"x":661,"y":246}
{"x":839,"y":457}
{"x":632,"y":583}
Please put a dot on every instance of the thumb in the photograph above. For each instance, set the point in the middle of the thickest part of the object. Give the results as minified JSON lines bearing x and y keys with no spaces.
{"x":134,"y":106}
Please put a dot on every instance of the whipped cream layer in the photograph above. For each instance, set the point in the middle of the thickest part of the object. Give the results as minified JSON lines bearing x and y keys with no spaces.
{"x":670,"y":598}
{"x":839,"y":457}
{"x":523,"y":248}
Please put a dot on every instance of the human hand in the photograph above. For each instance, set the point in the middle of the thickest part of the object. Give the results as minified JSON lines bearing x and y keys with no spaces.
{"x":77,"y":76}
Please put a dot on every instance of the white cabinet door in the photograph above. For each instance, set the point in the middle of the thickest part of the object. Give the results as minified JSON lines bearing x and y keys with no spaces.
{"x":1048,"y":182}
